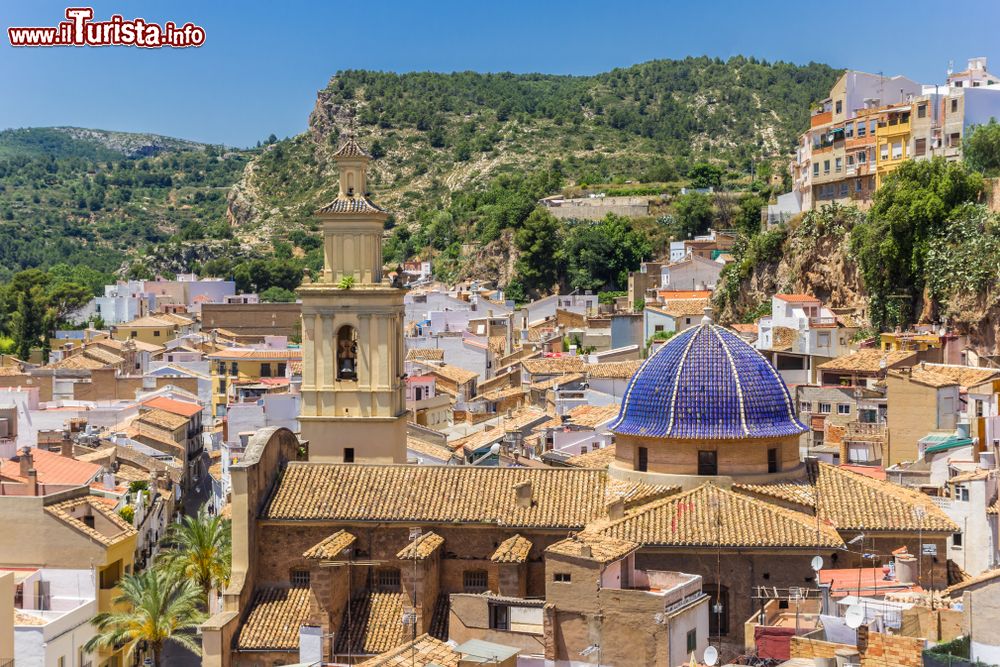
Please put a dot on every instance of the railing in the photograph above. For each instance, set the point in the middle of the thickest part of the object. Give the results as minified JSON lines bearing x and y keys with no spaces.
{"x":865,"y":432}
{"x":822,"y":321}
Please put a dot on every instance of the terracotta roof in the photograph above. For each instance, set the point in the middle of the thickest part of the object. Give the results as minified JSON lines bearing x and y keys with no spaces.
{"x":357,"y":204}
{"x":428,"y":448}
{"x":26,"y":618}
{"x":351,"y":148}
{"x":88,"y":359}
{"x":711,"y":516}
{"x":557,"y":381}
{"x":553,"y":365}
{"x":684,"y":307}
{"x":521,"y":418}
{"x":240,"y":353}
{"x":422,"y":547}
{"x":593,"y":416}
{"x":966,"y":376}
{"x":750,"y":328}
{"x":376,"y":624}
{"x":119,"y":345}
{"x":512,"y":550}
{"x":970,"y":475}
{"x":500,"y":394}
{"x":926,"y":377}
{"x":797,"y":298}
{"x":11,"y":370}
{"x":960,"y":587}
{"x":800,"y":493}
{"x":68,"y":510}
{"x":851,"y":501}
{"x":783,"y":338}
{"x":183,"y":408}
{"x":52,"y":468}
{"x":598,"y":459}
{"x":163,"y":419}
{"x":425,"y":651}
{"x":562,"y":498}
{"x":330,"y":548}
{"x":155,"y":321}
{"x":432,"y":353}
{"x":866,"y":361}
{"x":613,"y":369}
{"x":594,"y":546}
{"x":498,"y":344}
{"x":455,"y":374}
{"x":276,"y":615}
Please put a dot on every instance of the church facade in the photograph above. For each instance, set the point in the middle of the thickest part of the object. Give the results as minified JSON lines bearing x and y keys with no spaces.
{"x":333,"y":533}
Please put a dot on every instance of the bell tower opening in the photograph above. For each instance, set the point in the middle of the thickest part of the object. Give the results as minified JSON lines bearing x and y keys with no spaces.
{"x":347,"y":353}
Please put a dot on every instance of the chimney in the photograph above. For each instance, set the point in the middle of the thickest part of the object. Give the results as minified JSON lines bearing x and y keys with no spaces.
{"x":523,"y":494}
{"x":586,"y":551}
{"x":25,"y":461}
{"x":616,"y":509}
{"x":66,"y":448}
{"x":905,"y":565}
{"x":32,"y":482}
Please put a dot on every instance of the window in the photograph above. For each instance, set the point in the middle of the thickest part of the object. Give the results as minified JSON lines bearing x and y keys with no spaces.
{"x":282,"y":368}
{"x":708,"y":462}
{"x":300,"y":577}
{"x":954,"y":139}
{"x":718,"y":610}
{"x":843,"y":408}
{"x":850,"y":160}
{"x":920,"y":147}
{"x":862,"y":157}
{"x":962,"y":493}
{"x":772,"y":459}
{"x":805,"y":406}
{"x":872,"y":126}
{"x":387,"y":580}
{"x":897,"y":150}
{"x":956,"y":540}
{"x":844,"y":189}
{"x":861,"y":129}
{"x":883,"y":152}
{"x":561,"y":577}
{"x":234,"y":369}
{"x":347,"y":353}
{"x":499,"y":617}
{"x":838,"y":164}
{"x":692,"y":640}
{"x":658,"y":328}
{"x":857,"y":185}
{"x":826,"y":166}
{"x":156,"y":334}
{"x":954,"y":106}
{"x":840,"y":106}
{"x":348,"y":454}
{"x":815,"y":168}
{"x":824,"y":408}
{"x":265,"y":370}
{"x":642,"y":459}
{"x":475,"y":581}
{"x":134,"y":334}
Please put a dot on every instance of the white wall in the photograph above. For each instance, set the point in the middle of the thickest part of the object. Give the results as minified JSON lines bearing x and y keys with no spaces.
{"x":692,"y":618}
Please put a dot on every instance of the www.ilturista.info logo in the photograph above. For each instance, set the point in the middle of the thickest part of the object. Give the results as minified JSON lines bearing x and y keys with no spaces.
{"x":80,"y":30}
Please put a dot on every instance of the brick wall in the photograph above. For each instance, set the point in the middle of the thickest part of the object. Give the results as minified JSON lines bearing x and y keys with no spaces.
{"x":890,"y":651}
{"x":801,"y":647}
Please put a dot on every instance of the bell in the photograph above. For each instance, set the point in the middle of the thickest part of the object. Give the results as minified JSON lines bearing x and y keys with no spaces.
{"x":346,"y":371}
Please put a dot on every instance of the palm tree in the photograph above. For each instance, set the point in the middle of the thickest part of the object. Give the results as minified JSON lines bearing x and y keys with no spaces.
{"x":201,"y":550}
{"x":158,"y":606}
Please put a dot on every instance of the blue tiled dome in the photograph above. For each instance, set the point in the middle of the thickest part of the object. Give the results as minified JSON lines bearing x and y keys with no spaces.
{"x":707,"y":383}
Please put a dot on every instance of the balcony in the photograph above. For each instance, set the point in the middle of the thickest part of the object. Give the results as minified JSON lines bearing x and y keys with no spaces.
{"x":821,"y":118}
{"x":864,"y":432}
{"x":822,"y":321}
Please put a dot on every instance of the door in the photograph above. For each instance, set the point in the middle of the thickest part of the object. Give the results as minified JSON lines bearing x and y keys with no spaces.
{"x":708,"y":462}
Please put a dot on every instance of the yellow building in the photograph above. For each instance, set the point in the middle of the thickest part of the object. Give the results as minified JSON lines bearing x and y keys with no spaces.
{"x":892,"y":138}
{"x":154,"y":329}
{"x":909,"y":341}
{"x":241,"y":365}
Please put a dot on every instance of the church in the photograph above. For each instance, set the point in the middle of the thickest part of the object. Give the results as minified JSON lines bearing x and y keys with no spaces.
{"x":335,"y":535}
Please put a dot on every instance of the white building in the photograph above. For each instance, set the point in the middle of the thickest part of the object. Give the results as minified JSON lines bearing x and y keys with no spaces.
{"x":799,"y":334}
{"x":52,"y":621}
{"x":690,"y":273}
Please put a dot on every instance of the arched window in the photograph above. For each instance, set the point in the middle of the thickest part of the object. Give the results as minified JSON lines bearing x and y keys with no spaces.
{"x":347,"y":353}
{"x":350,"y":184}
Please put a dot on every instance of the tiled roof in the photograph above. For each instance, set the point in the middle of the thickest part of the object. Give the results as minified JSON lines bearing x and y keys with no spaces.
{"x":66,"y":512}
{"x":851,"y":501}
{"x":422,"y":547}
{"x":498,"y":344}
{"x":926,"y":377}
{"x":591,"y":416}
{"x":750,"y":328}
{"x":562,"y":498}
{"x":431,"y":353}
{"x":351,"y":148}
{"x":163,"y":419}
{"x":613,"y":369}
{"x":52,"y":468}
{"x":119,"y":345}
{"x":594,"y":546}
{"x":519,"y":419}
{"x":512,"y":550}
{"x":599,"y":459}
{"x":712,"y":516}
{"x":988,"y":575}
{"x":557,"y":381}
{"x":276,"y":615}
{"x":425,"y":651}
{"x":500,"y":394}
{"x":357,"y":204}
{"x":866,"y":361}
{"x":967,"y":376}
{"x":11,"y":370}
{"x":783,"y":338}
{"x":684,"y":307}
{"x":375,"y":625}
{"x":183,"y":408}
{"x":240,"y":353}
{"x":553,"y":365}
{"x":800,"y":493}
{"x":419,"y":446}
{"x":707,"y":383}
{"x":330,"y":548}
{"x":797,"y":298}
{"x":455,"y":374}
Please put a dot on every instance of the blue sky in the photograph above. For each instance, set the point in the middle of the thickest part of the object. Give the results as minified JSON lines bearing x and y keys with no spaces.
{"x":263,"y":62}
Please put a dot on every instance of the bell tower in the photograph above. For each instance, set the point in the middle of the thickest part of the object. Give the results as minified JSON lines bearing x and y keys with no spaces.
{"x":353,"y":397}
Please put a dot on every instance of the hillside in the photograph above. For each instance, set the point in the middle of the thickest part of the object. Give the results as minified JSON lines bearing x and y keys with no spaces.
{"x":95,"y":197}
{"x":454,"y":149}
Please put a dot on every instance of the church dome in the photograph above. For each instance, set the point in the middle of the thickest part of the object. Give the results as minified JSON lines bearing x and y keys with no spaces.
{"x":707,"y":383}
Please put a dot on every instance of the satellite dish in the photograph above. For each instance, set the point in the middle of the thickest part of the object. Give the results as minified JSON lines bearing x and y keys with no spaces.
{"x":854,"y":617}
{"x":817,"y":563}
{"x":711,"y":656}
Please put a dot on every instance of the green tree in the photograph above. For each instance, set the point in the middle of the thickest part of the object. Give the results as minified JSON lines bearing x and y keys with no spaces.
{"x":538,"y":242}
{"x":200,"y":550}
{"x":277,"y":295}
{"x":705,"y":175}
{"x":910,"y":208}
{"x":693,"y":213}
{"x":748,"y":216}
{"x":158,"y":606}
{"x":600,"y":255}
{"x":981,"y":148}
